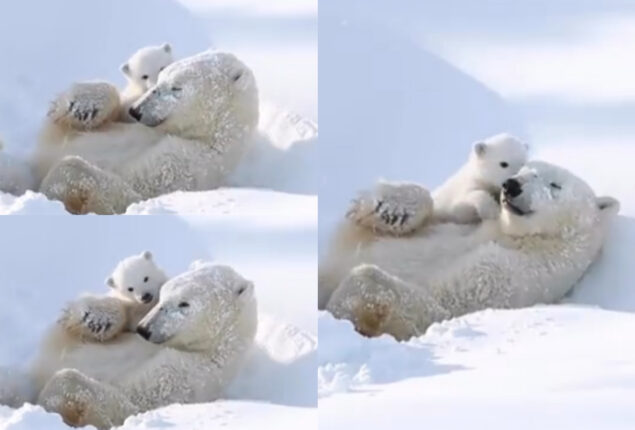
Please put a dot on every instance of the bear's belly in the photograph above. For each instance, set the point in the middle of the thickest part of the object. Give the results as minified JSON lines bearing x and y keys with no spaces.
{"x":112,"y":147}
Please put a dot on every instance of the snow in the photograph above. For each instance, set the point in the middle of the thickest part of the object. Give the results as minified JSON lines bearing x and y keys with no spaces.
{"x":264,"y":224}
{"x":406,"y":87}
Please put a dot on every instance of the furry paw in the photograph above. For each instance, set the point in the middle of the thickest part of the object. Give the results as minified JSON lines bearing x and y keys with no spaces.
{"x":85,"y":106}
{"x":94,"y":318}
{"x":392,"y":208}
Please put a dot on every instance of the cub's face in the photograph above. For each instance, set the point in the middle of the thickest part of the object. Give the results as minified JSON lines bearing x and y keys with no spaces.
{"x":196,"y":90}
{"x":196,"y":307}
{"x":497,"y":159}
{"x":138,"y":279}
{"x":549,"y":200}
{"x":144,"y":66}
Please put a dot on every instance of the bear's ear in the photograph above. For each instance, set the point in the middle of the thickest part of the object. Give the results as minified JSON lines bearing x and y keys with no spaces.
{"x":480,"y":148}
{"x":125,"y":69}
{"x":243,"y":287}
{"x":147,"y":255}
{"x":167,"y":47}
{"x":608,"y":205}
{"x":110,"y":282}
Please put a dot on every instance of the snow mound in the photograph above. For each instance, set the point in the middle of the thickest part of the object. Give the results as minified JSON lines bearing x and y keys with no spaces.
{"x":29,"y":203}
{"x":555,"y":366}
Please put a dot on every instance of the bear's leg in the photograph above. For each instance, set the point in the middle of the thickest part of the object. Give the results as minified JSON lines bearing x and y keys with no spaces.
{"x":83,"y":401}
{"x":485,"y":204}
{"x":392,"y":208}
{"x":377,"y":303}
{"x":85,"y":106}
{"x":85,"y":188}
{"x":94,"y":318}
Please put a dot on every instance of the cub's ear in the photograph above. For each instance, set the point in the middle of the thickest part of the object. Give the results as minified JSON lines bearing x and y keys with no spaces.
{"x":480,"y":148}
{"x":167,"y":47}
{"x":608,"y":205}
{"x":110,"y":282}
{"x":243,"y":287}
{"x":147,"y":255}
{"x":125,"y":69}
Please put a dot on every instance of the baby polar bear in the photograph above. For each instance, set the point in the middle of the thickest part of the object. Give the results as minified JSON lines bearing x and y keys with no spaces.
{"x":135,"y":286}
{"x":471,"y":195}
{"x":142,"y":72}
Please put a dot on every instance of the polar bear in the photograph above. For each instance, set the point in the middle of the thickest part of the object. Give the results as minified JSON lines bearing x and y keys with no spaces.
{"x":142,"y":72}
{"x":551,"y":228}
{"x":134,"y":285}
{"x":471,"y":194}
{"x":192,"y":344}
{"x":192,"y":129}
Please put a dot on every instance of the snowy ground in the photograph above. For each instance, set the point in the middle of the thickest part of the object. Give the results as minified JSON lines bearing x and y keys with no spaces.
{"x":422,"y":81}
{"x":266,"y":227}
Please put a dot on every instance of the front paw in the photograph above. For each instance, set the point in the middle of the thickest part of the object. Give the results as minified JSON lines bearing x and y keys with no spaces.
{"x":391,"y":208}
{"x":85,"y":106}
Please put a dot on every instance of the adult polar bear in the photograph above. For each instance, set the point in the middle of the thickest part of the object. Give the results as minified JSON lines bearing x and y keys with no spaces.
{"x":193,"y":127}
{"x":198,"y":335}
{"x":551,"y":228}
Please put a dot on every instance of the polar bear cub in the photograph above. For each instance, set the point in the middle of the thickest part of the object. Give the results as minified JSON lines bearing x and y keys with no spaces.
{"x":142,"y":71}
{"x":471,"y":194}
{"x":135,"y":285}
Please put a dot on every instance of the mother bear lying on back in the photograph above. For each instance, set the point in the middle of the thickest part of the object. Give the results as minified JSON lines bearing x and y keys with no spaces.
{"x":192,"y":129}
{"x":551,"y":228}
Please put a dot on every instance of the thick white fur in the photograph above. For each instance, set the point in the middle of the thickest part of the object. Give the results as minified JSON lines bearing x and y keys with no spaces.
{"x":142,"y":72}
{"x":471,"y":194}
{"x":400,"y":285}
{"x":195,"y":125}
{"x":192,"y":355}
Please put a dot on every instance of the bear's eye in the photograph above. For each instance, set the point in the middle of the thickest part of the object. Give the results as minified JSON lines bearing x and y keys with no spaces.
{"x":144,"y":77}
{"x":504,"y":164}
{"x":161,"y":69}
{"x":130,"y":289}
{"x":146,"y":279}
{"x":176,"y":89}
{"x":555,"y":186}
{"x":184,"y":305}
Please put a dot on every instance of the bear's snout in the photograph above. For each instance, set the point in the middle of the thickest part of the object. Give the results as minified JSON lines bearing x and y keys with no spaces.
{"x":512,"y":188}
{"x":135,"y":113}
{"x":144,"y":332}
{"x":147,"y":298}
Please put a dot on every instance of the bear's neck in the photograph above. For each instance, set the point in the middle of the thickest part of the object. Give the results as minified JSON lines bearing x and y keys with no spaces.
{"x":236,"y":338}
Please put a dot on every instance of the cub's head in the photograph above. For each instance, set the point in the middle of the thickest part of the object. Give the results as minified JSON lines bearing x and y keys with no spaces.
{"x":199,"y":307}
{"x":549,"y":200}
{"x":137,"y":279}
{"x":497,"y":158}
{"x":210,"y":91}
{"x":143,"y":68}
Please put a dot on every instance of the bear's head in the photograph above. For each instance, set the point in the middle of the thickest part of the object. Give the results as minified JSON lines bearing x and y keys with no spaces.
{"x":496,"y":159}
{"x":143,"y":68}
{"x":206,"y":95}
{"x":200,"y":308}
{"x":543,"y":199}
{"x":137,"y":279}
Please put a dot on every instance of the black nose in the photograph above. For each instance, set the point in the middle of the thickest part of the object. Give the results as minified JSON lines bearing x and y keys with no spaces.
{"x":135,"y":113}
{"x":512,"y":187}
{"x":144,"y":332}
{"x":147,"y":298}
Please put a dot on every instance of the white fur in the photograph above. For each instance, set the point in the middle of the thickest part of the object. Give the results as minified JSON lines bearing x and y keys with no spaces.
{"x":192,"y":355}
{"x":137,"y":282}
{"x":142,"y":73}
{"x":470,"y":195}
{"x":400,"y":285}
{"x":194,"y":128}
